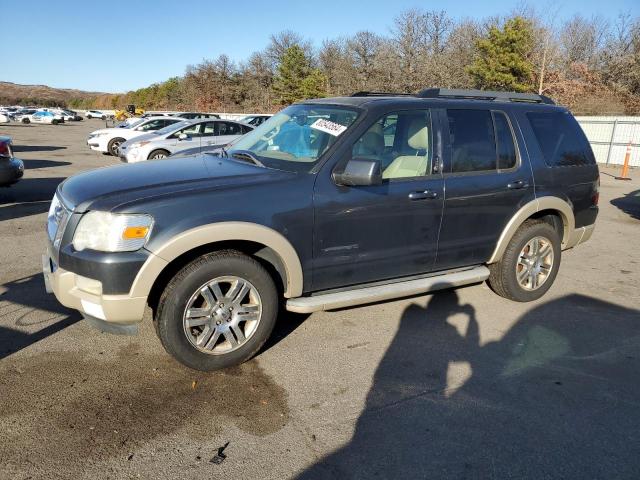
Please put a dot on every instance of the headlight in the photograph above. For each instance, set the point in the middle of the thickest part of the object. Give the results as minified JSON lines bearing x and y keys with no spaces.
{"x":139,"y":144}
{"x":94,"y":135}
{"x":109,"y":232}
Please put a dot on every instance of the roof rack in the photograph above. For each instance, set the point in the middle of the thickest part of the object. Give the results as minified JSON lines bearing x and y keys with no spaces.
{"x":484,"y":95}
{"x":380,"y":94}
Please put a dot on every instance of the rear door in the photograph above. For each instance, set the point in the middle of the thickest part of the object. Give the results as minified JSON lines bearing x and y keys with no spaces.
{"x":487,"y":179}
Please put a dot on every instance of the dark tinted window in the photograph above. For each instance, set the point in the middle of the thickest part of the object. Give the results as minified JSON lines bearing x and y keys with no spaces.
{"x":504,"y":140}
{"x":561,"y":139}
{"x":228,"y":128}
{"x":473,"y":146}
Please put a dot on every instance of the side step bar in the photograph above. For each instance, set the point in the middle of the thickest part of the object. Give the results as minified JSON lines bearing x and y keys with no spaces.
{"x":378,"y":293}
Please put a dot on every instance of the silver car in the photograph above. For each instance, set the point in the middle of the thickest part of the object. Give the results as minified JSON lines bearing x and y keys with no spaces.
{"x":192,"y":135}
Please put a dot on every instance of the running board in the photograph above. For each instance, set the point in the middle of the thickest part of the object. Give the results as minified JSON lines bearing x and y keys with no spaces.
{"x":378,"y":293}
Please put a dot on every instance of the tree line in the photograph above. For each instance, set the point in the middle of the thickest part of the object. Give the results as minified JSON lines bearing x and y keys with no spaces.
{"x":591,"y":65}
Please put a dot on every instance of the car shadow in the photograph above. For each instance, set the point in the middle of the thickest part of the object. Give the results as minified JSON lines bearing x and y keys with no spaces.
{"x":35,"y":148}
{"x":30,"y":196}
{"x":21,"y":298}
{"x":35,"y":164}
{"x":629,"y":204}
{"x":555,"y":397}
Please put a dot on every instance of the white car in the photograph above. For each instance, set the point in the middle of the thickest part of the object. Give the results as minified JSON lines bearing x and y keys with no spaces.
{"x":192,"y":135}
{"x":4,"y":118}
{"x":42,"y":116}
{"x":107,"y":140}
{"x":95,"y":114}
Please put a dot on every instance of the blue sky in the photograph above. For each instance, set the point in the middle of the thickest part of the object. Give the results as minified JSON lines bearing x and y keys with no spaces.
{"x":120,"y":45}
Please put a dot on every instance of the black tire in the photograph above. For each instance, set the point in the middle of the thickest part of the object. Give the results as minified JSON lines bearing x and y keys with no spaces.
{"x":502,"y":279}
{"x":113,"y":144}
{"x":158,"y":152}
{"x":173,"y":302}
{"x":103,"y":117}
{"x":54,"y":122}
{"x":26,"y":120}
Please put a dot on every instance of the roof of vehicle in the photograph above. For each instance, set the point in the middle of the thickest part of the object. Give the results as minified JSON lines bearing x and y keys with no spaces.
{"x":467,"y":97}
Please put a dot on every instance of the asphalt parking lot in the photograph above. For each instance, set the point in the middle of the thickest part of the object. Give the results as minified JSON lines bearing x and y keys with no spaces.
{"x":461,"y":384}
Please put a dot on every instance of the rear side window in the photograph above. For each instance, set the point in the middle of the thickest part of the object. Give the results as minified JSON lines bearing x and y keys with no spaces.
{"x":473,"y":144}
{"x":561,"y":139}
{"x":504,"y":142}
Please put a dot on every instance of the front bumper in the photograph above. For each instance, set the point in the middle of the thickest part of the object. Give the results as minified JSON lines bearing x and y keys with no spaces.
{"x":85,"y":295}
{"x":97,"y":144}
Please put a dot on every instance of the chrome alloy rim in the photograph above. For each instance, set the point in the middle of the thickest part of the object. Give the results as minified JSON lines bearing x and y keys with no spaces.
{"x":535,"y":263}
{"x":158,"y":155}
{"x":222,"y":315}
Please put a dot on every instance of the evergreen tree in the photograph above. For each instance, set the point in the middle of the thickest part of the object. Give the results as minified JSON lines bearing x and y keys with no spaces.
{"x":503,"y":61}
{"x":296,"y":79}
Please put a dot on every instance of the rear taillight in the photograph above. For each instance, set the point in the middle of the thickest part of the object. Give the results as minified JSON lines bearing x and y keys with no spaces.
{"x":4,"y":149}
{"x":595,"y":198}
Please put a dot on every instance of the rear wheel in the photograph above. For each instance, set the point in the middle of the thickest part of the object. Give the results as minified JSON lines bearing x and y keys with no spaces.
{"x":217,"y":311}
{"x":103,"y":117}
{"x":113,"y":145}
{"x":530,"y":263}
{"x":26,"y":120}
{"x":156,"y":154}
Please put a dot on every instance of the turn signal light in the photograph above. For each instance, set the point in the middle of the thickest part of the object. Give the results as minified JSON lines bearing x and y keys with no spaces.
{"x":134,"y":233}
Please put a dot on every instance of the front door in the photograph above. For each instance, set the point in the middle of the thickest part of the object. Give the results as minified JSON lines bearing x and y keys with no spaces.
{"x":380,"y":232}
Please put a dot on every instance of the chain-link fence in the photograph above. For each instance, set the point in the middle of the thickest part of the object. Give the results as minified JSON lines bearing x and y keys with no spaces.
{"x":610,"y":136}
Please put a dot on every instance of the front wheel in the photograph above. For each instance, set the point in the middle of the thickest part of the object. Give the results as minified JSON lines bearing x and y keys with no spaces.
{"x":158,"y":154}
{"x":530,"y":263}
{"x":217,"y":311}
{"x":26,"y":120}
{"x":113,"y":145}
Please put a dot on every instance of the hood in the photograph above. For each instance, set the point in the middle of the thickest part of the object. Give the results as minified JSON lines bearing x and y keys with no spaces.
{"x":112,"y":187}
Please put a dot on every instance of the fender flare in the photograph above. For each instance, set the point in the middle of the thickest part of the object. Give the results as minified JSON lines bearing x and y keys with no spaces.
{"x":526,"y":211}
{"x":218,"y":232}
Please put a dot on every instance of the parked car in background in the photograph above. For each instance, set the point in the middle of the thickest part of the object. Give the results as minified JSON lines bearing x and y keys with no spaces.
{"x":255,"y":120}
{"x":217,"y":149}
{"x":11,"y":169}
{"x":42,"y":116}
{"x":107,"y":140}
{"x":188,"y":134}
{"x":22,"y":113}
{"x":195,"y":115}
{"x":5,"y":117}
{"x":95,"y":114}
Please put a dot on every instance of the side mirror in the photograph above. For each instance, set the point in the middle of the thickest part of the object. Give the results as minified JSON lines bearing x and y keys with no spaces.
{"x":183,"y":136}
{"x":360,"y":171}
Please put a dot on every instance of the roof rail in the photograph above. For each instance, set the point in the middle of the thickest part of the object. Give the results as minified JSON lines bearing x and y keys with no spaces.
{"x":379,"y":94}
{"x":484,"y":95}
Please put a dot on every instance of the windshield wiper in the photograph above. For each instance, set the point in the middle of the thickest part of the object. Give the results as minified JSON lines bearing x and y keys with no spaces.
{"x":246,"y":155}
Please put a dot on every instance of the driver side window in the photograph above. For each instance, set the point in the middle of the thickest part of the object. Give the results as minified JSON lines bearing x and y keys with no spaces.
{"x":401,"y":142}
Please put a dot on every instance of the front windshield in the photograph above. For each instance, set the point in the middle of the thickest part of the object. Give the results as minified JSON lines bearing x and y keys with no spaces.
{"x":295,"y":138}
{"x":172,"y":127}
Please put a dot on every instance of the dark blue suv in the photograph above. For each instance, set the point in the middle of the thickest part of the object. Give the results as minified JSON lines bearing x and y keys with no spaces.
{"x":330,"y":203}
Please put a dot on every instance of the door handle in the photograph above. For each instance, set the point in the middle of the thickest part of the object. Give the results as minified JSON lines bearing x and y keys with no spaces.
{"x":424,"y":195}
{"x":518,"y":184}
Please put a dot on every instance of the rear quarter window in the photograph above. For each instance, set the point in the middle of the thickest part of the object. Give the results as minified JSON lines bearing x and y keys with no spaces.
{"x":561,"y":140}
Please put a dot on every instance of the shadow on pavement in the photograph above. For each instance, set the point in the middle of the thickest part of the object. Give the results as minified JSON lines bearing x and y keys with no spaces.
{"x":629,"y":204}
{"x":30,"y":196}
{"x":35,"y":164}
{"x":36,"y":148}
{"x":556,"y":397}
{"x":22,"y":298}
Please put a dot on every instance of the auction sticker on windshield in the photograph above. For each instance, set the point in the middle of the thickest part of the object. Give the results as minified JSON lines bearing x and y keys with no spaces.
{"x":328,"y":126}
